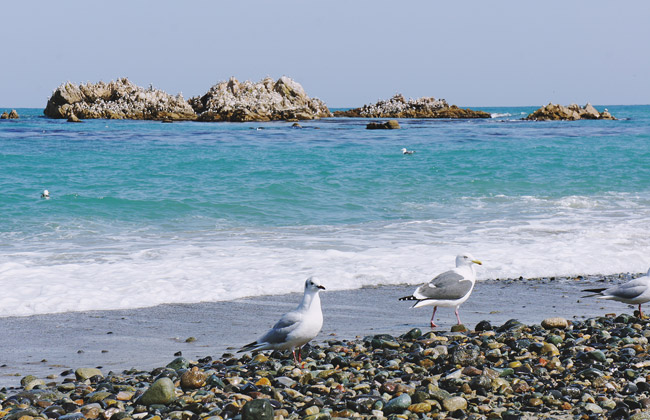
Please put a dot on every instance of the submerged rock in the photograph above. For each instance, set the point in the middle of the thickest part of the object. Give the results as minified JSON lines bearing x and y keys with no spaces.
{"x":119,"y":99}
{"x":399,"y":107}
{"x":573,"y":112}
{"x":388,"y":125}
{"x":266,"y":100}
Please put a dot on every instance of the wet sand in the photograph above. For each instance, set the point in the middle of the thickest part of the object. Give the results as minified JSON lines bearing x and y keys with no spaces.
{"x":47,"y":345}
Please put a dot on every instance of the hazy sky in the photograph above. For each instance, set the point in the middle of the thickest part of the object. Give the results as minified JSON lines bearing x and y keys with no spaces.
{"x":348,"y":53}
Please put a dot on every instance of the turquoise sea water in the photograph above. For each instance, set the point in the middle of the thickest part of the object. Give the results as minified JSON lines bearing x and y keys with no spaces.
{"x":144,"y":212}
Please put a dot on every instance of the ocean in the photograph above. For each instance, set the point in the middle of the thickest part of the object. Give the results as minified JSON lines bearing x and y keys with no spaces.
{"x":144,"y":213}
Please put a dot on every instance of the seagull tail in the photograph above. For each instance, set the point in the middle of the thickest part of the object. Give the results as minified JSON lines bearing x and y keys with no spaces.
{"x":595,"y":292}
{"x":408,"y":298}
{"x":251,"y":347}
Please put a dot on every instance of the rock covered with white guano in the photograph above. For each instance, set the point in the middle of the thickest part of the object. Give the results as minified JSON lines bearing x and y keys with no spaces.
{"x":399,"y":107}
{"x":120,"y":99}
{"x":573,"y":112}
{"x":267,"y":100}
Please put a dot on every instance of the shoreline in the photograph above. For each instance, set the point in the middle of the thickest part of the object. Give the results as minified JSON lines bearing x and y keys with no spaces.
{"x":146,"y":338}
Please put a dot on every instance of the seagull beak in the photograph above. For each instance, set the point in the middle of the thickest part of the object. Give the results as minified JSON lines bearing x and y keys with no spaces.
{"x":321,"y":287}
{"x":477,"y":262}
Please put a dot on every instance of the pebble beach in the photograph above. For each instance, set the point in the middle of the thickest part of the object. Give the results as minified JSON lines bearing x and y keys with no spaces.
{"x":529,"y":348}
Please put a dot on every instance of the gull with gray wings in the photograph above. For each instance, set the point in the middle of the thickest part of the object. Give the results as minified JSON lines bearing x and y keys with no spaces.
{"x":295,"y":328}
{"x":449,"y":289}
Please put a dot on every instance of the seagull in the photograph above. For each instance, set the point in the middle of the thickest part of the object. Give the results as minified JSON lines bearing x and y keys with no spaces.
{"x":449,"y":289}
{"x":407,"y":152}
{"x":633,"y":292}
{"x":295,"y":328}
{"x":45,"y":195}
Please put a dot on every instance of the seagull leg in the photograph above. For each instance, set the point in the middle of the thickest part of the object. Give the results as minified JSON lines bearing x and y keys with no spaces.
{"x":433,"y":325}
{"x":294,"y":356}
{"x":458,"y":317}
{"x":641,"y":312}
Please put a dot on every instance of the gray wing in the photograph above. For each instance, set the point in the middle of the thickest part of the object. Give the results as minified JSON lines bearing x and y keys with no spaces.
{"x":282,"y":328}
{"x":448,"y":286}
{"x":629,"y":290}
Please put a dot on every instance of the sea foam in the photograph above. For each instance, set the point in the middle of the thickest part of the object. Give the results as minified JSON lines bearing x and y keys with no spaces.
{"x":553,"y":237}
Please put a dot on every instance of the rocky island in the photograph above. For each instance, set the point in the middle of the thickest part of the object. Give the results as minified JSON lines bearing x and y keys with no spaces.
{"x":573,"y":112}
{"x":13,"y":115}
{"x":266,"y":100}
{"x":399,"y":107}
{"x":119,"y":99}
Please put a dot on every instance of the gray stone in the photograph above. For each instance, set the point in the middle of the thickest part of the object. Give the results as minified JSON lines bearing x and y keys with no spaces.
{"x":179,"y":363}
{"x":160,"y":392}
{"x":97,"y":396}
{"x":260,"y":409}
{"x":593,"y":408}
{"x":466,"y":356}
{"x":455,"y":403}
{"x":86,"y":373}
{"x":398,"y":404}
{"x":27,"y":379}
{"x":72,"y":416}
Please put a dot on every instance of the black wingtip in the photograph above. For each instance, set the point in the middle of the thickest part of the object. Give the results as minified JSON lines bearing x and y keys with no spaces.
{"x":595,"y":290}
{"x":408,"y":298}
{"x":247,"y":347}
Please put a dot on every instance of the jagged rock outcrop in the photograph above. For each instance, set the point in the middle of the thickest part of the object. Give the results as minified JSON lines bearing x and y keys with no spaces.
{"x":267,"y":100}
{"x":573,"y":112}
{"x":388,"y":125}
{"x":399,"y":107}
{"x":12,"y":115}
{"x":119,"y":99}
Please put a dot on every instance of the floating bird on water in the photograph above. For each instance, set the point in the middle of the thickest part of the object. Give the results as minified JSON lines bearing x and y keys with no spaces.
{"x":45,"y":195}
{"x":634,"y":292}
{"x":407,"y":152}
{"x":295,"y":328}
{"x":449,"y":289}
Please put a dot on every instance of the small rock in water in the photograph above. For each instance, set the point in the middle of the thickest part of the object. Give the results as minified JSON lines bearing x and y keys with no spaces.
{"x":388,"y":125}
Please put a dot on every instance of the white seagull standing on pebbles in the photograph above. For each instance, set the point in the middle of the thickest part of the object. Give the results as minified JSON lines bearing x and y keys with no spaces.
{"x":296,"y":327}
{"x":449,"y":289}
{"x":634,"y":292}
{"x":407,"y":152}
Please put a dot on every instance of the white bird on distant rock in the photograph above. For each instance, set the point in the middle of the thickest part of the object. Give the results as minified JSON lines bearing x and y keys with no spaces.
{"x":634,"y":292}
{"x":45,"y":195}
{"x":295,"y":328}
{"x":449,"y":289}
{"x":407,"y":152}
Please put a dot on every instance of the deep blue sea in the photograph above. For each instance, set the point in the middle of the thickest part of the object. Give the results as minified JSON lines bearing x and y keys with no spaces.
{"x":143,"y":212}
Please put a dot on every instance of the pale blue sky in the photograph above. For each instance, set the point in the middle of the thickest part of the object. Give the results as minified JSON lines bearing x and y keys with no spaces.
{"x":472,"y":53}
